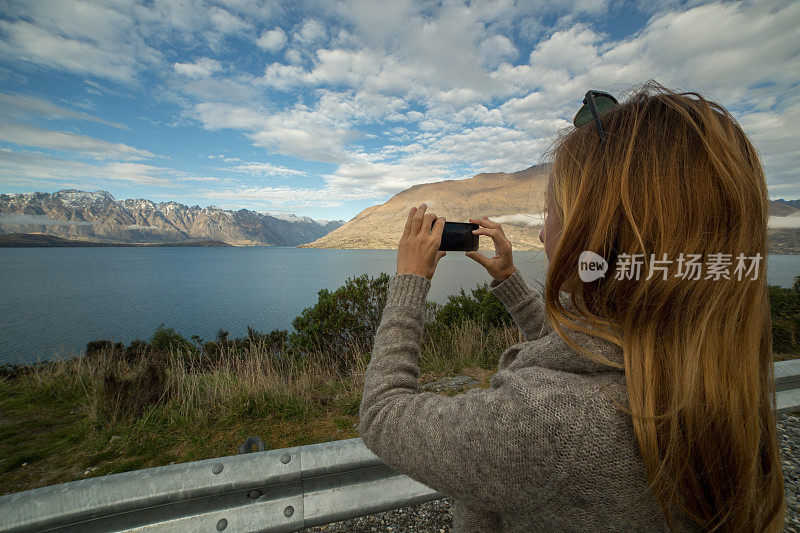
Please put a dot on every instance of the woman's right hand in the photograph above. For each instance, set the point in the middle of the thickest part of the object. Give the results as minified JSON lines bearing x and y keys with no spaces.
{"x":501,"y":266}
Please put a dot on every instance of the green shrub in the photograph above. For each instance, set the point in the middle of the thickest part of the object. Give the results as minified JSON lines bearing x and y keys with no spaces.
{"x":784,"y":336}
{"x":480,"y":306}
{"x":94,"y":348}
{"x":124,"y":398}
{"x":275,"y":340}
{"x":784,"y":307}
{"x":342,"y":320}
{"x":136,"y":350}
{"x":166,"y":340}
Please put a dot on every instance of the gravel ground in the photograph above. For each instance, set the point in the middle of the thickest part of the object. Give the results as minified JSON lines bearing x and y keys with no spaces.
{"x":437,"y":516}
{"x":789,"y":442}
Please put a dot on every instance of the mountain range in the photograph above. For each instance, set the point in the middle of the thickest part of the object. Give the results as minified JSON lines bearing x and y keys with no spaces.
{"x":513,"y":199}
{"x":98,"y":216}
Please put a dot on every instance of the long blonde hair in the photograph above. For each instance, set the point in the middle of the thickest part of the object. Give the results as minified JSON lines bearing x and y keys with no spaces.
{"x":677,"y":175}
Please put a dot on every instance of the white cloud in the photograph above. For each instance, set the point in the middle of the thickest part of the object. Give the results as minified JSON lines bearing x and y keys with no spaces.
{"x":118,"y":41}
{"x":200,"y":68}
{"x":283,"y":76}
{"x":745,"y":48}
{"x":788,"y":221}
{"x":225,"y":21}
{"x":293,"y":56}
{"x":299,"y":132}
{"x":437,"y":156}
{"x":254,"y":10}
{"x":197,"y":178}
{"x":219,"y":88}
{"x":265,"y":169}
{"x":776,"y":136}
{"x":284,"y":198}
{"x":34,"y":168}
{"x":310,"y":32}
{"x":382,"y":179}
{"x":272,"y":40}
{"x":497,"y":48}
{"x":32,"y":44}
{"x":570,"y":52}
{"x":520,"y":219}
{"x":25,"y":135}
{"x":22,"y":106}
{"x":530,"y":28}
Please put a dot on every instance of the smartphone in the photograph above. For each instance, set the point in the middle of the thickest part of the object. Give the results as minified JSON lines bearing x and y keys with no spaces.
{"x":458,"y":237}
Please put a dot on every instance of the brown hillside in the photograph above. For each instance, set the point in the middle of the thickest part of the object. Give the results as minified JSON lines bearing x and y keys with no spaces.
{"x":511,"y":199}
{"x":518,"y":195}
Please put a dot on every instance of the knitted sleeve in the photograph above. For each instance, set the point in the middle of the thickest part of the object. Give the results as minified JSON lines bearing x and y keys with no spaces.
{"x":523,"y":303}
{"x":481,"y":447}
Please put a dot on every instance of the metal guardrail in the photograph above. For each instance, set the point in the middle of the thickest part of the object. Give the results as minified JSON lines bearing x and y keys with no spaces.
{"x":271,"y":491}
{"x":787,"y":386}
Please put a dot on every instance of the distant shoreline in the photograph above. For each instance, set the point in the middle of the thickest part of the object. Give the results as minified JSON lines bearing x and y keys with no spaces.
{"x":41,"y":240}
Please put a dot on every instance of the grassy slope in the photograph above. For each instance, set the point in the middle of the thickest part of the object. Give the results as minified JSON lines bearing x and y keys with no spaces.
{"x":51,"y":423}
{"x":52,"y":431}
{"x":59,"y":444}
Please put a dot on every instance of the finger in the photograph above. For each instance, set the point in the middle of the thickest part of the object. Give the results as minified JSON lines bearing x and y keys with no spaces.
{"x":501,"y":243}
{"x":479,"y":257}
{"x":438,"y":229}
{"x":416,"y":223}
{"x":427,"y":222}
{"x":439,"y":255}
{"x":485,"y":222}
{"x":491,"y":232}
{"x":494,"y":233}
{"x":407,"y":229}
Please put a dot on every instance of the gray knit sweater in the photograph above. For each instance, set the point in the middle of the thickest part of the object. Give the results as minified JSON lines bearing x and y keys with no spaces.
{"x":542,"y":449}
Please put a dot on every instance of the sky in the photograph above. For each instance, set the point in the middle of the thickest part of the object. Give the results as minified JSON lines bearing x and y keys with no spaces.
{"x":326,"y":108}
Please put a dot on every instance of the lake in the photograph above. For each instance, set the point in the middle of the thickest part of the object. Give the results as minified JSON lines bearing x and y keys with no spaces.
{"x":55,"y":300}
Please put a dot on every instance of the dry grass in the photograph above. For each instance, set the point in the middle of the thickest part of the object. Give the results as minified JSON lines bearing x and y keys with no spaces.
{"x":117,"y":388}
{"x":105,"y":414}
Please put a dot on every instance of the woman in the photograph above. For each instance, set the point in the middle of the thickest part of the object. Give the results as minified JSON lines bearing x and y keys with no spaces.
{"x":645,"y":403}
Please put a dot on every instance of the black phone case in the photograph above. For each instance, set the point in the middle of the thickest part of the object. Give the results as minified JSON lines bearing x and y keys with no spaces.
{"x":458,"y":237}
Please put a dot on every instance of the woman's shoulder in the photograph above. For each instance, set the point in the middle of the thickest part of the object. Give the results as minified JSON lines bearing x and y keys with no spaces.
{"x":549,"y":372}
{"x":552,"y":351}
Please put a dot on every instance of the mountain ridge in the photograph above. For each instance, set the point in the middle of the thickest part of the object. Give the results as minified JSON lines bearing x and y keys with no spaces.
{"x":98,"y":216}
{"x":380,"y":226}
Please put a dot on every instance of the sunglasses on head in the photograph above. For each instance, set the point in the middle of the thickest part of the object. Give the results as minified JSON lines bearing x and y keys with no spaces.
{"x":595,"y":103}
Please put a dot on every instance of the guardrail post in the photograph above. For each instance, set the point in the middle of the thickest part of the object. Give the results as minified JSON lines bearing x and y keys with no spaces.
{"x":250,"y":443}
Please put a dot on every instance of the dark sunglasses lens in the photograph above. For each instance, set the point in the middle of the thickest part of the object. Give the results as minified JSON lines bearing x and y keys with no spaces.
{"x":584,"y":114}
{"x":603,"y":103}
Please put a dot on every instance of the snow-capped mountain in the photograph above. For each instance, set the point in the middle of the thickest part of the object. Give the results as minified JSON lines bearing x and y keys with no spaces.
{"x":98,"y":216}
{"x":295,"y":218}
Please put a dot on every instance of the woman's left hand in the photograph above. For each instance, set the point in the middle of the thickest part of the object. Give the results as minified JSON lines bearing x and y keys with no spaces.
{"x":418,"y":252}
